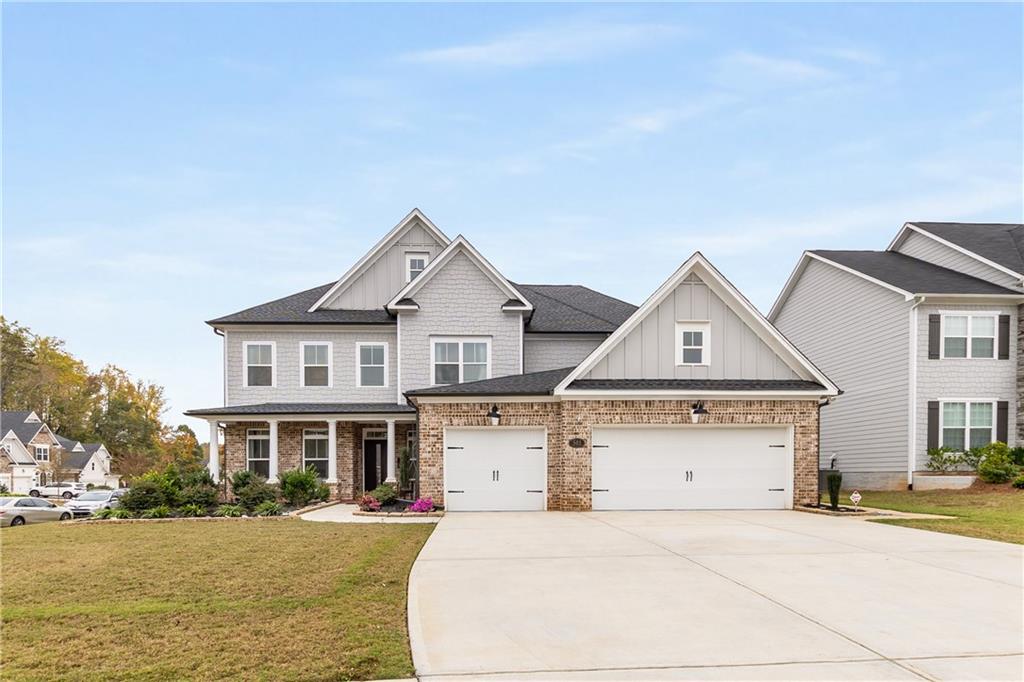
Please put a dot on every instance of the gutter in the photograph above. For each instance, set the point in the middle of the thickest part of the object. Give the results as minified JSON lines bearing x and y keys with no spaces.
{"x":912,"y":390}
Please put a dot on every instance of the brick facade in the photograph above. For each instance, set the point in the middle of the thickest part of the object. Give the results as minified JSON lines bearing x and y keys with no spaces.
{"x":569,"y":477}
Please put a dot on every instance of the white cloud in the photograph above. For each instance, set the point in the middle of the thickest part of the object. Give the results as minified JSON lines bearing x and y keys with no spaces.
{"x":549,"y":44}
{"x":748,"y":70}
{"x":851,"y":54}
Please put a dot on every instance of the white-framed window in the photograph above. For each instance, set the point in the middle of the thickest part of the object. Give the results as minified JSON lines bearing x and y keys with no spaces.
{"x":692,"y":343}
{"x":969,"y":335}
{"x":257,"y":451}
{"x":967,"y":424}
{"x":259,"y":358}
{"x":314,"y":450}
{"x":42,"y":453}
{"x":371,"y":363}
{"x":459,"y":360}
{"x":316,"y":363}
{"x":415,"y":263}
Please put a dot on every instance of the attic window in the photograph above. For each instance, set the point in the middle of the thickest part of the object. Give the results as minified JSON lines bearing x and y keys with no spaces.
{"x":415,"y":263}
{"x":692,"y":343}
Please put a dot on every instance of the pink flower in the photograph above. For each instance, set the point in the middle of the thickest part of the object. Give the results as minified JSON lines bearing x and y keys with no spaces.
{"x":422,"y":505}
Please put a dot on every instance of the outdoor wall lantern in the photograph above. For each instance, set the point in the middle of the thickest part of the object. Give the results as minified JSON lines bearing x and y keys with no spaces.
{"x":494,"y":415}
{"x":697,"y":412}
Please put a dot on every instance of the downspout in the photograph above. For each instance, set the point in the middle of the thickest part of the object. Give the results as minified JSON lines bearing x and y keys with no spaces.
{"x":912,"y":392}
{"x":822,"y":402}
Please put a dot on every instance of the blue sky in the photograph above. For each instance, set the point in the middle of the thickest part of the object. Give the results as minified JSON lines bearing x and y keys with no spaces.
{"x":165,"y":164}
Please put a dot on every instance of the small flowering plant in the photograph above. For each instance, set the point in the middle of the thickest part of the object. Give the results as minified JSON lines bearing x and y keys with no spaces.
{"x":422,"y":505}
{"x":368,"y":503}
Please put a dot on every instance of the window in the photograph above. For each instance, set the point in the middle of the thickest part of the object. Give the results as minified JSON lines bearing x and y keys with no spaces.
{"x":314,"y":450}
{"x":42,"y":453}
{"x":259,"y":364}
{"x":692,"y":343}
{"x":969,"y":336}
{"x":257,"y":451}
{"x":316,"y":364}
{"x":415,"y":263}
{"x":457,"y":361}
{"x":371,"y":364}
{"x":93,"y":465}
{"x":967,"y":425}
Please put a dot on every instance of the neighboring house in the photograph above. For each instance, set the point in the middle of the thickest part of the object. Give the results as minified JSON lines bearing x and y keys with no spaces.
{"x":18,"y":469}
{"x":33,"y":454}
{"x":88,"y":463}
{"x":520,"y":396}
{"x":35,"y":437}
{"x":924,"y":338}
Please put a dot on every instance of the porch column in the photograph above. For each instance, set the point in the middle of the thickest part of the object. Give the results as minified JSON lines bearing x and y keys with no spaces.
{"x":391,"y":452}
{"x":332,"y":450}
{"x":214,"y":464}
{"x":273,"y":450}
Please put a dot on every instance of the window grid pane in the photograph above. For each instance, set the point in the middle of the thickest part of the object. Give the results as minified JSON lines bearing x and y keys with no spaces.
{"x":954,"y":414}
{"x":953,"y":438}
{"x":984,"y":325}
{"x":371,"y":376}
{"x":982,"y":348}
{"x":955,"y":347}
{"x":981,"y":414}
{"x":980,"y":437}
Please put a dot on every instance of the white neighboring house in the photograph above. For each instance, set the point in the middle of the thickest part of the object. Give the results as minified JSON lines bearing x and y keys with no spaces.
{"x":31,"y":443}
{"x":18,"y":469}
{"x":88,"y":463}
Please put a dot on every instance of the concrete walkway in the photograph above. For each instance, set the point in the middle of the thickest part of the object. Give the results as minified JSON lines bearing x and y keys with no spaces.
{"x":343,"y":513}
{"x":712,"y":595}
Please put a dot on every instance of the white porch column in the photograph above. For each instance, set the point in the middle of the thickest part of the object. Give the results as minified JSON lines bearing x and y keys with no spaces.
{"x":332,"y":450}
{"x":214,"y":464}
{"x":391,"y":452}
{"x":273,"y":450}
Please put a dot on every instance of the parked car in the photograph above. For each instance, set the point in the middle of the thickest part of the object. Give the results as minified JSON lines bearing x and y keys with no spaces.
{"x":17,"y":511}
{"x":94,"y":500}
{"x":65,"y":489}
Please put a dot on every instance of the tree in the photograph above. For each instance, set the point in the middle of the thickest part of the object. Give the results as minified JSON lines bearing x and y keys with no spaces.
{"x":180,"y":446}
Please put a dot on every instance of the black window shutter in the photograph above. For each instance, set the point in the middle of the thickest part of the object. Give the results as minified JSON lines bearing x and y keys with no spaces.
{"x":1002,"y":420}
{"x":1004,"y":337}
{"x":934,"y":337}
{"x":933,"y":424}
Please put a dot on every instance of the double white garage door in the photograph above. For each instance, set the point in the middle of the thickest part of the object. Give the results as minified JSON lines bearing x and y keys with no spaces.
{"x":642,"y":467}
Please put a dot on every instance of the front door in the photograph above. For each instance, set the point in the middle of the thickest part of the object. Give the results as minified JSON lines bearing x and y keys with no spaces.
{"x":375,"y":462}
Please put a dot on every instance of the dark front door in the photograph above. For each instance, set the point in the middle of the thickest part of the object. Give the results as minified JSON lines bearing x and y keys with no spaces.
{"x":375,"y":463}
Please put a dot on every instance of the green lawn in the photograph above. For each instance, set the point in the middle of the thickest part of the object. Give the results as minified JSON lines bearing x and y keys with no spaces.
{"x":984,"y":511}
{"x":261,"y":599}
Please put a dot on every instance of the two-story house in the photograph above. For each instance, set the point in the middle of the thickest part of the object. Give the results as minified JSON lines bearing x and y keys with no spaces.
{"x":519,"y":396}
{"x":925,"y":339}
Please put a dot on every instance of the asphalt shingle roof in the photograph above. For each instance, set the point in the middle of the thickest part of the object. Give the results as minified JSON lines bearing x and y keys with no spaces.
{"x":534,"y":383}
{"x":294,"y":310}
{"x":696,"y":385}
{"x":304,"y":408}
{"x":911,"y":274}
{"x":75,"y":460}
{"x":1001,"y":243}
{"x":67,"y":443}
{"x":15,"y":421}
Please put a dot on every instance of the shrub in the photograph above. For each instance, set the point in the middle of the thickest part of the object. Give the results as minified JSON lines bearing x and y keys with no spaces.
{"x":200,"y":495}
{"x":119,"y":513}
{"x":3,"y":489}
{"x":971,"y":458}
{"x":299,"y":486}
{"x":385,"y":493}
{"x":197,"y":477}
{"x":1019,"y":481}
{"x":422,"y":505}
{"x":995,"y":465}
{"x":835,"y":484}
{"x":268,"y":509}
{"x":101,"y":514}
{"x":405,"y":469}
{"x":192,"y":510}
{"x":369,"y":503}
{"x":1017,"y":456}
{"x":943,"y":459}
{"x":323,"y":492}
{"x":229,"y":510}
{"x":256,"y":493}
{"x":160,"y":512}
{"x":241,"y":479}
{"x":144,"y":494}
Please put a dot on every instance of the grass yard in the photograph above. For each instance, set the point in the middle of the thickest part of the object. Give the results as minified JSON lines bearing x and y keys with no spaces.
{"x":993,"y":512}
{"x":260,"y":599}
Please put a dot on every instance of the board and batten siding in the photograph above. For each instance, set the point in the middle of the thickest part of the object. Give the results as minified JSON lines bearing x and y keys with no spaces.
{"x":925,"y":248}
{"x":857,"y":333}
{"x":459,"y":300}
{"x":649,"y":350}
{"x":543,"y":352}
{"x":946,"y":378}
{"x":287,"y":387}
{"x":385,"y":277}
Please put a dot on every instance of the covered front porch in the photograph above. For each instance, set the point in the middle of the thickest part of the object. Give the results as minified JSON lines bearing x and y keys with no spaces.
{"x":353,"y":447}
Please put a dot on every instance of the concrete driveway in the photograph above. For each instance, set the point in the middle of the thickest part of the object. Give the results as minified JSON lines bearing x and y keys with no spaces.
{"x":712,"y":595}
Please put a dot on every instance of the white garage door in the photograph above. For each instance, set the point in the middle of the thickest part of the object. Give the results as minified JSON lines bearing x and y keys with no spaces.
{"x":691,"y":468}
{"x":495,"y":469}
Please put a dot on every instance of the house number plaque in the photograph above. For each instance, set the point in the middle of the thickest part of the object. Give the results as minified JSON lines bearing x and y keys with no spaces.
{"x":577,"y":443}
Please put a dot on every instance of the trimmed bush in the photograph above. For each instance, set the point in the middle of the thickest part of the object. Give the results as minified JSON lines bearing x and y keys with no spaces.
{"x":160,"y":512}
{"x":144,"y":494}
{"x":1017,"y":456}
{"x":269,"y":509}
{"x":200,"y":495}
{"x":1019,"y":481}
{"x":229,"y":510}
{"x":368,"y":503}
{"x":385,"y":494}
{"x":299,"y":486}
{"x":241,"y":479}
{"x":197,"y":477}
{"x":323,"y":493}
{"x":192,"y":510}
{"x":835,"y":484}
{"x":995,"y":465}
{"x":256,"y":493}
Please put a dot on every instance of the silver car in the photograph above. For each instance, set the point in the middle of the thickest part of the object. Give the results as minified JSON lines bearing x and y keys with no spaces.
{"x":17,"y":511}
{"x":94,"y":500}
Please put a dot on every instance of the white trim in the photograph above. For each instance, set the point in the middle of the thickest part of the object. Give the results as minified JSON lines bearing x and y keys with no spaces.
{"x":522,"y":342}
{"x":288,"y":328}
{"x":433,"y":340}
{"x":702,"y":326}
{"x":901,"y":235}
{"x":302,"y":363}
{"x":725,"y":290}
{"x":44,"y":448}
{"x":444,"y":453}
{"x":224,"y":368}
{"x":311,"y":417}
{"x":359,"y":375}
{"x":409,"y":256}
{"x":321,"y":434}
{"x":372,"y":254}
{"x":969,"y":314}
{"x":680,"y":394}
{"x":446,"y":399}
{"x":459,"y":244}
{"x":245,"y":363}
{"x":967,"y":418}
{"x":914,"y":321}
{"x":399,"y":398}
{"x":249,"y":436}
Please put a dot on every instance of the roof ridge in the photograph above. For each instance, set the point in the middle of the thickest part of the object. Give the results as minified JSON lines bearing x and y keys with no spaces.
{"x":580,"y":310}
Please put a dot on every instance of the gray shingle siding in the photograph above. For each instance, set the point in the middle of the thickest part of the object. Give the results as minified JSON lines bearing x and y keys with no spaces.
{"x":927,"y":249}
{"x":546,"y":353}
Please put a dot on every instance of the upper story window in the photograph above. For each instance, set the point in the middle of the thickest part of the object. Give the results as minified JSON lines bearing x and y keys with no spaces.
{"x":969,"y":336}
{"x":415,"y":263}
{"x":259,"y":363}
{"x":315,"y":450}
{"x":316,"y":364}
{"x":967,"y":424}
{"x":42,"y":453}
{"x":371,"y":364}
{"x":457,"y":361}
{"x":257,"y":451}
{"x":692,"y":343}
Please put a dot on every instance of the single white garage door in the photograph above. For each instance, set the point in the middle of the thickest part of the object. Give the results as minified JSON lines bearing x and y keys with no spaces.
{"x":495,"y":469}
{"x":691,"y":468}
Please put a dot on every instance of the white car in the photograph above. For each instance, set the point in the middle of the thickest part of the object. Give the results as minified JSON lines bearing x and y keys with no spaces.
{"x":65,"y":489}
{"x":94,"y":500}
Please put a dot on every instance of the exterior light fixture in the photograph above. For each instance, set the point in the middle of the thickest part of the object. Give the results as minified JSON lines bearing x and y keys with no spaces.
{"x":494,"y":415}
{"x":697,"y":412}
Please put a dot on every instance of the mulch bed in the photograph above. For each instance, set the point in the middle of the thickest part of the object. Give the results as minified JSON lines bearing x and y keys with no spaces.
{"x":828,"y":510}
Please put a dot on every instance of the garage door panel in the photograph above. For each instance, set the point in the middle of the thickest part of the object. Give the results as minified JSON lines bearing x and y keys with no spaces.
{"x":495,"y":469}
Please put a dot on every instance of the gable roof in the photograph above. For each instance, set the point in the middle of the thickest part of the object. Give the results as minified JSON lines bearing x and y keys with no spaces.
{"x":732,"y":297}
{"x":76,"y":460}
{"x":997,"y":244}
{"x":17,"y":421}
{"x":294,"y":309}
{"x":15,"y":450}
{"x":70,"y":445}
{"x":571,"y":308}
{"x":371,"y":256}
{"x":459,"y":245}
